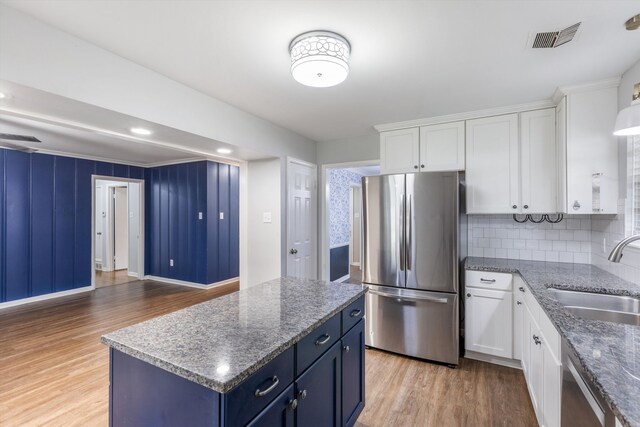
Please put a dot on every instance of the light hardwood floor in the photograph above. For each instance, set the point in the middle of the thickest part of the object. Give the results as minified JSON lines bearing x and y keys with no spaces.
{"x":110,"y":278}
{"x":55,"y":372}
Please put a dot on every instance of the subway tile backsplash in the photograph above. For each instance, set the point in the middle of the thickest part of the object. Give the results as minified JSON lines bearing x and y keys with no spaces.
{"x":499,"y":236}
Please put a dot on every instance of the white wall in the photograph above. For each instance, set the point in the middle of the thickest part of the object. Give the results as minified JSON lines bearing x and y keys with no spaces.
{"x":359,"y":148}
{"x":263,"y":250}
{"x":82,"y":71}
{"x":134,"y":227}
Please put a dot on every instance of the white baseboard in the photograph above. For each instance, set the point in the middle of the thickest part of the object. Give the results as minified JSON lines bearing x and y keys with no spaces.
{"x":191,"y":284}
{"x":496,"y":360}
{"x":45,"y":297}
{"x":132,"y":274}
{"x":355,"y":264}
{"x":343,"y":278}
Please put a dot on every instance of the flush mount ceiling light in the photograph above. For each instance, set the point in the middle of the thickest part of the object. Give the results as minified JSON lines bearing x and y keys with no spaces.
{"x":628,"y":120}
{"x":320,"y":58}
{"x":223,"y":151}
{"x":140,"y":131}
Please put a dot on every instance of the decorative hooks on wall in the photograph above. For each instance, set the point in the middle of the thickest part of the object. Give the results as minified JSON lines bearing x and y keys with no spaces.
{"x":545,"y":217}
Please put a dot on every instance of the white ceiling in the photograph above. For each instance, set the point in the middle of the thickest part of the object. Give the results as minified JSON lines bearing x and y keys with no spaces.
{"x":72,"y":127}
{"x":410,"y":59}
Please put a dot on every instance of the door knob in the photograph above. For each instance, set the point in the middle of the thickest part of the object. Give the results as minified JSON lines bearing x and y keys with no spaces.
{"x":293,"y":251}
{"x":468,"y":295}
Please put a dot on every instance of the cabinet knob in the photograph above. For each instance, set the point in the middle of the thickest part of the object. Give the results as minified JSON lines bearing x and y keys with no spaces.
{"x":293,"y":404}
{"x":515,"y":206}
{"x":521,"y":289}
{"x":293,"y":251}
{"x":526,"y":206}
{"x":415,"y":166}
{"x":468,"y":295}
{"x":346,"y":349}
{"x":302,"y":394}
{"x":519,"y":302}
{"x":536,"y":339}
{"x":422,"y":166}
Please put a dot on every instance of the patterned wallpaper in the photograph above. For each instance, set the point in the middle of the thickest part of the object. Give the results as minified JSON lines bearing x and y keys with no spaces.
{"x":339,"y":182}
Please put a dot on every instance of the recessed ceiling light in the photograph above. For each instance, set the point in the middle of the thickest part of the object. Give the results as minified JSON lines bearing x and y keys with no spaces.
{"x":224,"y":151}
{"x":320,"y":58}
{"x":140,"y":131}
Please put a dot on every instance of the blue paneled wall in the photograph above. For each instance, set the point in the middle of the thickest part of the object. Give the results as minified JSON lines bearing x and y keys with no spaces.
{"x":45,"y":221}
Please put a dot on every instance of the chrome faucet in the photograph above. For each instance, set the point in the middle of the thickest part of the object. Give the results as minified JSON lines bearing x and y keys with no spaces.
{"x":616,"y":253}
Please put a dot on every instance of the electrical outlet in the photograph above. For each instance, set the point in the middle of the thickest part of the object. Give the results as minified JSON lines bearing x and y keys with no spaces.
{"x":221,"y":215}
{"x":199,"y":215}
{"x":170,"y":263}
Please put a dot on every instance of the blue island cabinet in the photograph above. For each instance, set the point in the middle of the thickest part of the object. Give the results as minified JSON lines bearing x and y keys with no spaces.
{"x":319,"y":381}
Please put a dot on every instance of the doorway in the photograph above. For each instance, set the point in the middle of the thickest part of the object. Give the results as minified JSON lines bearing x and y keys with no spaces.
{"x":117,"y":237}
{"x":342,"y":238}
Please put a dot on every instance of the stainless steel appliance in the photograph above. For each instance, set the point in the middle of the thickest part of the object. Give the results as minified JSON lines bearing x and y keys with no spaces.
{"x":411,"y":263}
{"x":582,"y":405}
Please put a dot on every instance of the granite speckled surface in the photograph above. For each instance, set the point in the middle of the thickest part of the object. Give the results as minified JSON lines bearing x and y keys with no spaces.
{"x":608,"y":352}
{"x":221,"y":342}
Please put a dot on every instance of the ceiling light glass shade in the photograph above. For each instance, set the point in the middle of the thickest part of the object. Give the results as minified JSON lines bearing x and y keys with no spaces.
{"x":320,"y":58}
{"x":628,"y":121}
{"x":140,"y":131}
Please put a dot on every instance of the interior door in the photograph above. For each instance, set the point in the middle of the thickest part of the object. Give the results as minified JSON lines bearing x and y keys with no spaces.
{"x":301,"y":220}
{"x":432,"y":231}
{"x":383,"y":213}
{"x":100,"y":228}
{"x":120,"y":229}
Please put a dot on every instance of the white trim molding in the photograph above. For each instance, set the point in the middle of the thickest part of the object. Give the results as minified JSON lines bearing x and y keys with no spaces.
{"x":191,"y":284}
{"x":45,"y":297}
{"x":496,"y":360}
{"x":343,"y":278}
{"x":562,"y":91}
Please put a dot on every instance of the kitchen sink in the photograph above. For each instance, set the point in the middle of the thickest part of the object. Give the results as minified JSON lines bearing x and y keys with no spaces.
{"x":609,"y":308}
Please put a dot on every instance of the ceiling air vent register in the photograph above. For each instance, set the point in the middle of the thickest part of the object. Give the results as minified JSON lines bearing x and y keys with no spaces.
{"x":551,"y":39}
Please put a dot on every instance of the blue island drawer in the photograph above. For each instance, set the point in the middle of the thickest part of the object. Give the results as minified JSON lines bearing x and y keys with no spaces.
{"x":254,"y":394}
{"x":352,"y":314}
{"x":317,"y":342}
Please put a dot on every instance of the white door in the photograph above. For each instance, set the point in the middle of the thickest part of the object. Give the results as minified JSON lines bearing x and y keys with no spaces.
{"x":356,"y":226}
{"x":99,"y":228}
{"x":301,"y":219}
{"x":120,"y":228}
{"x":518,"y":309}
{"x":442,"y":147}
{"x":535,"y":377}
{"x":492,"y":165}
{"x":400,"y":151}
{"x":538,"y":161}
{"x":551,"y":387}
{"x":488,"y":322}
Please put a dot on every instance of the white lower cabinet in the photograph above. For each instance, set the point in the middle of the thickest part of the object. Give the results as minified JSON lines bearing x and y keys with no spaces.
{"x":512,"y":325}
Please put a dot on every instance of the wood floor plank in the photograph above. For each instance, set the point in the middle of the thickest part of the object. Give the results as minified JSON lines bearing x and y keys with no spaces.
{"x":55,"y":372}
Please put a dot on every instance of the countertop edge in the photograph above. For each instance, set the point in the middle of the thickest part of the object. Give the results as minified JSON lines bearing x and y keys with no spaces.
{"x":514,"y":270}
{"x":235,"y":381}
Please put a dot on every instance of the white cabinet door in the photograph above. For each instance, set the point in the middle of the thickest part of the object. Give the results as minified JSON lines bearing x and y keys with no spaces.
{"x":535,"y":374}
{"x":518,"y":308}
{"x":551,"y":387}
{"x":492,"y":165}
{"x":538,"y":161}
{"x":400,"y":151}
{"x":488,"y":322}
{"x":561,"y":145}
{"x":442,"y":147}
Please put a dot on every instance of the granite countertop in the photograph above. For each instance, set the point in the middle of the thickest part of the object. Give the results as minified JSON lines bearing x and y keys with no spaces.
{"x":608,"y":352}
{"x":221,"y":342}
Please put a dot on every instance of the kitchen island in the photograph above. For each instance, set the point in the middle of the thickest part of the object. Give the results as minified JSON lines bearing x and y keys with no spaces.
{"x":289,"y":350}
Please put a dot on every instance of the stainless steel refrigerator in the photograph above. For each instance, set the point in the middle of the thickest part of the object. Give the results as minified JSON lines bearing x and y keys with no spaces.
{"x":411,"y":263}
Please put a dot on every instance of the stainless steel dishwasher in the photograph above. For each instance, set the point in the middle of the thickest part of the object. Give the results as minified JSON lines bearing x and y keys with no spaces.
{"x":582,"y":404}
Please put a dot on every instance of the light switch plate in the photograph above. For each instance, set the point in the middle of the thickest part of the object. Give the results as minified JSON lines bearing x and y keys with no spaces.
{"x":199,"y":215}
{"x":221,"y":215}
{"x":266,"y":217}
{"x":170,"y":263}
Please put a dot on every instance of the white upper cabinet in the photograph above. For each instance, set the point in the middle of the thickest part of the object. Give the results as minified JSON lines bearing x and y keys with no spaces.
{"x":492,"y":165}
{"x":538,"y":161}
{"x":400,"y":151}
{"x":588,"y":152}
{"x":428,"y":148}
{"x":442,"y":147}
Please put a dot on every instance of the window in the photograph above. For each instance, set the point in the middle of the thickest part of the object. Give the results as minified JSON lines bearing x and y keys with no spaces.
{"x":633,"y":186}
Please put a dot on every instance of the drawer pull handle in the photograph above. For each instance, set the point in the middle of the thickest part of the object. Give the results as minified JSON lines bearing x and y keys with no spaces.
{"x":260,"y":393}
{"x":355,"y":313}
{"x":324,"y":340}
{"x":521,"y":289}
{"x":487,"y":280}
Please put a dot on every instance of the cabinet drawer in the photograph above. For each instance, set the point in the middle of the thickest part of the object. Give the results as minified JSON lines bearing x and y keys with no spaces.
{"x":256,"y":392}
{"x":352,"y":314}
{"x":317,"y":342}
{"x":488,"y":280}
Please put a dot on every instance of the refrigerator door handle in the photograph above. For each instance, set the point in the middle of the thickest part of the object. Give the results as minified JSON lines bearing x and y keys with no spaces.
{"x":411,"y":298}
{"x":401,"y":247}
{"x":409,"y":221}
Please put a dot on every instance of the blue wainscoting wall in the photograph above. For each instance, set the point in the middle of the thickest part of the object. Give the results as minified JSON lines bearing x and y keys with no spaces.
{"x":45,"y":221}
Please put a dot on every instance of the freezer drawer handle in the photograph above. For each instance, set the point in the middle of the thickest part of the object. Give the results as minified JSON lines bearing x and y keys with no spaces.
{"x":401,"y":298}
{"x":323,"y":341}
{"x":355,"y":313}
{"x":487,"y":280}
{"x":260,"y":393}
